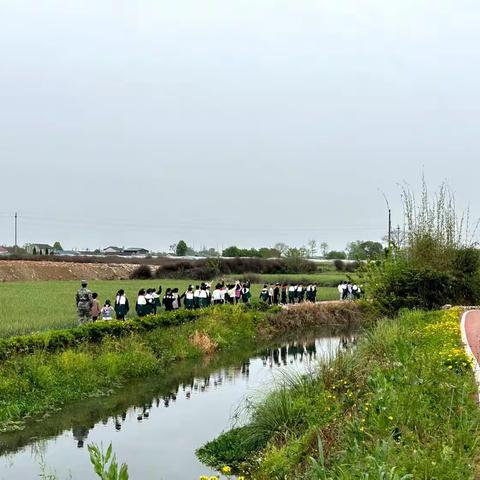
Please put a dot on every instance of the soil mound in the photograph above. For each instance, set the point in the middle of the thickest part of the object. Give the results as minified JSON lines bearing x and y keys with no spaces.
{"x":26,"y":270}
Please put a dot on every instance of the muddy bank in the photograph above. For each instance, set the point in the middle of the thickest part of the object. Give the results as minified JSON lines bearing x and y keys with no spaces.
{"x":28,"y":270}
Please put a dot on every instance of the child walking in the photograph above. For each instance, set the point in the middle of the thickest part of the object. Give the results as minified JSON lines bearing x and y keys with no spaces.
{"x":95,"y":309}
{"x":107,"y":311}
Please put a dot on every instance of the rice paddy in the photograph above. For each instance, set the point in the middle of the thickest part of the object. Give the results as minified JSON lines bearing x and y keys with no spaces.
{"x":27,"y":307}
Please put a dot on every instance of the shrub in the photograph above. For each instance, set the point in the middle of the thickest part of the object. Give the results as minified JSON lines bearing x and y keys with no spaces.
{"x":142,"y":272}
{"x":352,"y":267}
{"x":339,"y":265}
{"x":397,"y":285}
{"x":213,"y":267}
{"x":56,"y":340}
{"x":343,"y":315}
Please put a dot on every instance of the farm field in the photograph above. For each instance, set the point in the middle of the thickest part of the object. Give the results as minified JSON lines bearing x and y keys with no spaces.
{"x":27,"y":307}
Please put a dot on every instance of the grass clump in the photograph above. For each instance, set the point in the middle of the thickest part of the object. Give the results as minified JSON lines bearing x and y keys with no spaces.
{"x":400,"y":405}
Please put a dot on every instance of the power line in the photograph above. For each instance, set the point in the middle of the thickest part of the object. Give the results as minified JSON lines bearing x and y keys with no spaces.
{"x":196,"y":224}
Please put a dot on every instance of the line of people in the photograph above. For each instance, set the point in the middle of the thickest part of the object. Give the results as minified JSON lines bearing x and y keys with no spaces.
{"x":288,"y":294}
{"x":149,"y":301}
{"x":349,"y":291}
{"x":199,"y":296}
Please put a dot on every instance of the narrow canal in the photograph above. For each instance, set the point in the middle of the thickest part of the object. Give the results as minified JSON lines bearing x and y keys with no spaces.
{"x":155,"y":425}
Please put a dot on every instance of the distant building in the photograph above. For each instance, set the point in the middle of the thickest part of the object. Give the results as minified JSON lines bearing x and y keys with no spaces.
{"x":112,"y":250}
{"x":4,"y":251}
{"x":66,"y":253}
{"x":39,"y":249}
{"x":135,"y":251}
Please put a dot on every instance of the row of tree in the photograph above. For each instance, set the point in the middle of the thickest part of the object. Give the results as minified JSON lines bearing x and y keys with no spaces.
{"x":358,"y":250}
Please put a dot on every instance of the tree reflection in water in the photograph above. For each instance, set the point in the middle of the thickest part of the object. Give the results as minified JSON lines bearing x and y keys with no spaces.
{"x":286,"y":354}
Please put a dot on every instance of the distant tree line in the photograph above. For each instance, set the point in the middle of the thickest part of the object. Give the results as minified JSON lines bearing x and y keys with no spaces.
{"x":358,"y":250}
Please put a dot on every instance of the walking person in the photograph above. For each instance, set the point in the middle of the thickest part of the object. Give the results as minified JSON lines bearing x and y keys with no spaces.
{"x":276,"y":294}
{"x":245,"y":292}
{"x":168,"y":300}
{"x":264,"y":294}
{"x":231,"y":292}
{"x":349,"y":291}
{"x":107,"y":311}
{"x":203,"y":297}
{"x":176,"y":299}
{"x":84,"y":301}
{"x":95,"y":310}
{"x":189,"y":301}
{"x":121,"y":305}
{"x":155,"y":300}
{"x":300,"y":294}
{"x":150,"y":307}
{"x":284,"y":294}
{"x":310,"y":293}
{"x":292,"y":293}
{"x":217,"y":295}
{"x":270,"y":294}
{"x":238,"y":291}
{"x":141,"y":306}
{"x":196,"y":297}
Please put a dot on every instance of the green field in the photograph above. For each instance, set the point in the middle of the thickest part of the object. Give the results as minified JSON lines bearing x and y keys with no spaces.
{"x":26,"y":307}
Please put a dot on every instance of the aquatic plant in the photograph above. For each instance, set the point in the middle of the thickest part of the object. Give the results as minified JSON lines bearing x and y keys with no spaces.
{"x":105,"y":464}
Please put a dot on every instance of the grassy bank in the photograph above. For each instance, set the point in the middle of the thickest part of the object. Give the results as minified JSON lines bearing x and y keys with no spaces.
{"x":400,"y":406}
{"x":43,"y":372}
{"x":27,"y":307}
{"x":39,"y":382}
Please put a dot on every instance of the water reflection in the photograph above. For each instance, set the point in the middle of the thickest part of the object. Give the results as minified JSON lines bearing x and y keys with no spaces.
{"x":282,"y":356}
{"x":197,"y":397}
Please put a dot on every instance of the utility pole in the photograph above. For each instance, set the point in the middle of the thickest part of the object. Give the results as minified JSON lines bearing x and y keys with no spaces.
{"x":389,"y":223}
{"x":16,"y":224}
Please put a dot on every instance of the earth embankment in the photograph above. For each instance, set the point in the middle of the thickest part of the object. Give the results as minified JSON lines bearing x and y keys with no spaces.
{"x":27,"y":270}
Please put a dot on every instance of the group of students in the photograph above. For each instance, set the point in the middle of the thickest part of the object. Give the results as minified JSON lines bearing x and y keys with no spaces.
{"x":149,"y":300}
{"x":288,"y":294}
{"x":349,"y":291}
{"x":199,"y":296}
{"x":120,"y":308}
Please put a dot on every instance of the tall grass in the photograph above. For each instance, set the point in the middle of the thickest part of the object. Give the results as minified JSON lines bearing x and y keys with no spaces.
{"x":400,"y":405}
{"x":434,"y":228}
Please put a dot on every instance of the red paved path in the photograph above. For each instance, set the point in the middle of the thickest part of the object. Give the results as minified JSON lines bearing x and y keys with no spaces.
{"x":472,"y":331}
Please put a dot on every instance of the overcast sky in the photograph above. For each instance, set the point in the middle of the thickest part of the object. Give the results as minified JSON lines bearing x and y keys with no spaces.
{"x":248,"y":122}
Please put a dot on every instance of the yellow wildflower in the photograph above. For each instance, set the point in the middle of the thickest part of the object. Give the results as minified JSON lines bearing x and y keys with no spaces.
{"x":226,"y":469}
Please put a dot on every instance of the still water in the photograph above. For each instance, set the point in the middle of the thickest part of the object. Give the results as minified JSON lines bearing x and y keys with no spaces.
{"x":155,"y":425}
